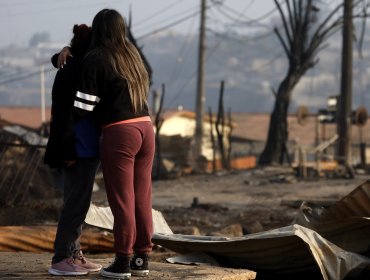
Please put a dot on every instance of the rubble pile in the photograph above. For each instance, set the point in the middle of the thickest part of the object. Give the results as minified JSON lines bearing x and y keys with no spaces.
{"x":23,"y":176}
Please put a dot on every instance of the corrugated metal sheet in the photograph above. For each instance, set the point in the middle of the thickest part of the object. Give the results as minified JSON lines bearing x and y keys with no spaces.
{"x":290,"y":253}
{"x":355,"y":204}
{"x":41,"y":239}
{"x":351,"y":234}
{"x":346,"y":223}
{"x":334,"y":242}
{"x":102,"y":217}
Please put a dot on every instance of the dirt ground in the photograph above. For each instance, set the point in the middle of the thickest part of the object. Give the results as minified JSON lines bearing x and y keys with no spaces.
{"x":258,"y":199}
{"x":34,"y":266}
{"x":262,"y":198}
{"x":255,"y":200}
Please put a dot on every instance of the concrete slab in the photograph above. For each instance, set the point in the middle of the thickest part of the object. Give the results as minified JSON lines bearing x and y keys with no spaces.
{"x":24,"y":265}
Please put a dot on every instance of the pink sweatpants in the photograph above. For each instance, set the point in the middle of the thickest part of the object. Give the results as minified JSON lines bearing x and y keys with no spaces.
{"x":127,"y":152}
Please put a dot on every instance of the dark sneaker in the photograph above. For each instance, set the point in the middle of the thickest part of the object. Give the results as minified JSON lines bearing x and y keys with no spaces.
{"x":67,"y":267}
{"x":81,"y":261}
{"x":118,"y":269}
{"x":139,"y":265}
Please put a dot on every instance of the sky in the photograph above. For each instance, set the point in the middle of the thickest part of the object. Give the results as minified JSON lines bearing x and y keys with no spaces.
{"x":20,"y":19}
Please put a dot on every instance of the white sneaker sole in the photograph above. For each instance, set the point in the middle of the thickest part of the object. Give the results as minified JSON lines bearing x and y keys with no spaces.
{"x":92,"y":269}
{"x":115,"y":275}
{"x":140,"y":272}
{"x":53,"y":271}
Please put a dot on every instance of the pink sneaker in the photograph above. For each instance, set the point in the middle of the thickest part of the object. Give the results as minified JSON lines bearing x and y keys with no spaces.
{"x":81,"y":261}
{"x":67,"y":267}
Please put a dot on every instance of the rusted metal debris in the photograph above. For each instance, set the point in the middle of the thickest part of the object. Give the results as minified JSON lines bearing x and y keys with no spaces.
{"x":282,"y":253}
{"x":41,"y":239}
{"x":23,"y":176}
{"x":328,"y":244}
{"x":320,"y":244}
{"x":355,"y":204}
{"x":323,"y":243}
{"x":346,"y":223}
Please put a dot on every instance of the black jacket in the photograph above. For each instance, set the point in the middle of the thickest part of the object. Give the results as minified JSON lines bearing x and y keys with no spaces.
{"x":102,"y":92}
{"x":61,"y":142}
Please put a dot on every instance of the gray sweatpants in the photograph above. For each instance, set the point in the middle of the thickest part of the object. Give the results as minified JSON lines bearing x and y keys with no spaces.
{"x":78,"y":185}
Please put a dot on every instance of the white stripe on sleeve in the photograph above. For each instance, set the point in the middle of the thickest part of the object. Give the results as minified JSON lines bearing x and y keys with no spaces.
{"x":83,"y":106}
{"x":87,"y":97}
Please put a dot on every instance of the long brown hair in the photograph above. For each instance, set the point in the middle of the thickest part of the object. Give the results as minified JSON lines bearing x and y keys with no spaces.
{"x":109,"y":32}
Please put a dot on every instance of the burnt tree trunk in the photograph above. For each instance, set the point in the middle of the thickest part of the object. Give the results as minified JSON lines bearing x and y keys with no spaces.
{"x":275,"y":148}
{"x":213,"y":141}
{"x":301,"y":37}
{"x":220,"y":127}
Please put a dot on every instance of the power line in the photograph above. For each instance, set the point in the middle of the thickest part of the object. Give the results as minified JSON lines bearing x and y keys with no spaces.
{"x":188,"y":39}
{"x":192,"y":15}
{"x":193,"y":75}
{"x":159,"y":12}
{"x":173,"y":23}
{"x":71,"y":7}
{"x":14,"y":4}
{"x":172,"y":17}
{"x":168,"y":26}
{"x":28,"y":75}
{"x":141,"y":37}
{"x":221,"y":8}
{"x":274,"y":58}
{"x":181,"y":90}
{"x":7,"y":75}
{"x":210,"y":53}
{"x":249,"y":21}
{"x":245,"y":40}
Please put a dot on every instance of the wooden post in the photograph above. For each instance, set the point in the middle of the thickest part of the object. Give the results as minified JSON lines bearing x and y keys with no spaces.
{"x":42,"y":97}
{"x":200,"y":99}
{"x":345,"y":100}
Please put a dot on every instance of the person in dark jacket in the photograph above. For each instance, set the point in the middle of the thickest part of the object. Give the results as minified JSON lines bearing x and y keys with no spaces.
{"x":73,"y":147}
{"x":114,"y":88}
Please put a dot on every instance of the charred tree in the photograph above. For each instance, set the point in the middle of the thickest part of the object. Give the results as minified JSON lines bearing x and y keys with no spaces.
{"x":229,"y":122}
{"x":213,"y":141}
{"x":301,"y":37}
{"x":220,"y":128}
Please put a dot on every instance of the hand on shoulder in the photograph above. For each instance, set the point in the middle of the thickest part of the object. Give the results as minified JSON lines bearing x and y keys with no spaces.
{"x":63,"y":55}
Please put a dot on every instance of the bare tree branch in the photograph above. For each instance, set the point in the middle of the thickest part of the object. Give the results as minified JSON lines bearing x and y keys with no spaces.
{"x":281,"y":39}
{"x":300,"y":9}
{"x":308,"y":13}
{"x":299,"y":17}
{"x":362,"y":33}
{"x":327,"y":19}
{"x":318,"y":38}
{"x":301,"y":45}
{"x":291,"y":18}
{"x":285,"y":24}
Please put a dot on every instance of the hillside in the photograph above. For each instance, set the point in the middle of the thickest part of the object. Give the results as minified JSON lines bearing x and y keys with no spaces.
{"x":251,"y":66}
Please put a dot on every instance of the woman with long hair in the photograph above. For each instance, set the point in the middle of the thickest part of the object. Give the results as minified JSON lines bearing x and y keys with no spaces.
{"x":114,"y":88}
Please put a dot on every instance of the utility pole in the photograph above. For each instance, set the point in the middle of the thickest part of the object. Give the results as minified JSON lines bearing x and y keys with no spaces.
{"x":345,"y":99}
{"x":200,"y":99}
{"x":42,"y":97}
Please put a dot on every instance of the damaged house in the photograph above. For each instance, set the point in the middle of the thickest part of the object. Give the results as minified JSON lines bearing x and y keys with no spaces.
{"x":177,"y":140}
